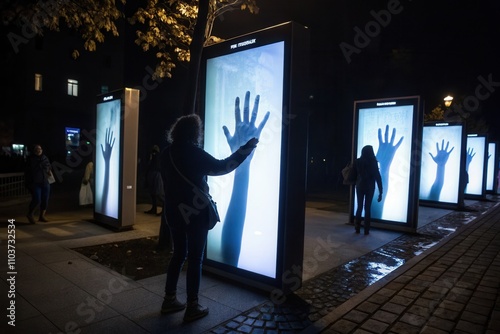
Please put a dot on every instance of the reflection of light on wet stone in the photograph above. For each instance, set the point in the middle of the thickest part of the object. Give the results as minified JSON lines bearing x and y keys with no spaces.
{"x":422,"y":247}
{"x":377,"y":270}
{"x":450,"y":229}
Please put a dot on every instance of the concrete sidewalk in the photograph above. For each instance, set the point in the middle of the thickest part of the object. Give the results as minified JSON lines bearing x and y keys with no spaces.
{"x":452,"y":288}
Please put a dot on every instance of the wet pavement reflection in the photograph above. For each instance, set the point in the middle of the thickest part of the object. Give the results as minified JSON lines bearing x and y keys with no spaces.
{"x":325,"y":292}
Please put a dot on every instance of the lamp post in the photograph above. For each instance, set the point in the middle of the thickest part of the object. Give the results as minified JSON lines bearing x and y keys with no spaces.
{"x":447,"y":101}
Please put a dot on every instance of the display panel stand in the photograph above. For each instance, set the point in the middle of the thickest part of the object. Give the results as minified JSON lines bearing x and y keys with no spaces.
{"x":261,"y":241}
{"x":117,"y":118}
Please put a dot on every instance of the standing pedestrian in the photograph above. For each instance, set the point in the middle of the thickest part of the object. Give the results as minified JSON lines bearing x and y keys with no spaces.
{"x":154,"y":181}
{"x":368,"y":175}
{"x":86,"y":196}
{"x":187,"y":219}
{"x":37,"y":175}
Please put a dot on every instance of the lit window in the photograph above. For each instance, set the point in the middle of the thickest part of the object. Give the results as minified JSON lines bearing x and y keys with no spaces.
{"x":38,"y":82}
{"x":72,"y":87}
{"x":104,"y":89}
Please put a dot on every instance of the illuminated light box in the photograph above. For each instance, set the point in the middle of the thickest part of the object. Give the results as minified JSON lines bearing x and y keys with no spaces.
{"x":442,"y":164}
{"x":117,"y":117}
{"x":72,"y":137}
{"x":392,"y":126}
{"x":492,"y":168}
{"x":475,"y":165}
{"x":260,"y":237}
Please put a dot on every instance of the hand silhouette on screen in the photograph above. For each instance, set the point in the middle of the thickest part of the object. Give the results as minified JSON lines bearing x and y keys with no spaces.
{"x":385,"y":154}
{"x":468,"y":159}
{"x":234,"y":221}
{"x":107,"y":149}
{"x":441,"y":158}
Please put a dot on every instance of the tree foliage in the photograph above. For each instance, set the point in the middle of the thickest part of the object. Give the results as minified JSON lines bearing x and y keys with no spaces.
{"x":164,"y":27}
{"x":167,"y":27}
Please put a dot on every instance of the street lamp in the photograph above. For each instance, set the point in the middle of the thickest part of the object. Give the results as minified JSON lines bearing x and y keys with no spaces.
{"x":447,"y":101}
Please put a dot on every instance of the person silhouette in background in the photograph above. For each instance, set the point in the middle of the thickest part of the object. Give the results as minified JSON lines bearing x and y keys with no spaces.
{"x":107,"y":150}
{"x":186,"y":216}
{"x":86,"y":197}
{"x":385,"y":155}
{"x":234,"y":222}
{"x":441,"y":158}
{"x":154,"y":181}
{"x":367,"y":176}
{"x":37,"y":173}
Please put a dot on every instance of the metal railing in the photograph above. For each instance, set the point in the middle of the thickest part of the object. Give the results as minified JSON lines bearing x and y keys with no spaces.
{"x":12,"y":185}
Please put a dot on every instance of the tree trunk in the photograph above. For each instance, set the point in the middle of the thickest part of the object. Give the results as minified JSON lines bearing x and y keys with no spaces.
{"x":196,"y":49}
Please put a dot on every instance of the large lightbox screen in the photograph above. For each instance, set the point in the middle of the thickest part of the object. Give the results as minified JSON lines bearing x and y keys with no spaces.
{"x":247,"y":236}
{"x":107,"y":158}
{"x":388,"y":127}
{"x":491,"y":167}
{"x":475,"y":164}
{"x":441,"y":161}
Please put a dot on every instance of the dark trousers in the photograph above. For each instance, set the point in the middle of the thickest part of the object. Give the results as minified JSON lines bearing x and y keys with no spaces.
{"x":364,"y":197}
{"x":39,"y":196}
{"x":189,"y":242}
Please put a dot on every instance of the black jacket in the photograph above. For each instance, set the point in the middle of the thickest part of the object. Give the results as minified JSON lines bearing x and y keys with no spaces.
{"x":195,"y":164}
{"x":368,"y":174}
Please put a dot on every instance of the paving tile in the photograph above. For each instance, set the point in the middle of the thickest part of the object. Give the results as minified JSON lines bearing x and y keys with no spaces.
{"x":343,"y":326}
{"x":385,"y":317}
{"x":432,"y":330}
{"x":420,"y":310}
{"x":368,"y":307}
{"x":469,"y":327}
{"x":375,"y":326}
{"x":441,"y":324}
{"x":404,"y":328}
{"x":356,"y":316}
{"x":474,"y":318}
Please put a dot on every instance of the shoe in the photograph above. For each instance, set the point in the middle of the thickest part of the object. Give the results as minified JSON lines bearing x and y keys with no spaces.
{"x":42,"y":218}
{"x":357,"y":231}
{"x":31,"y":219}
{"x":171,"y":306}
{"x":195,"y":312}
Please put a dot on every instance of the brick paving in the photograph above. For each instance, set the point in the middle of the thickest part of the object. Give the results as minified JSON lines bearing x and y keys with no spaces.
{"x":455,"y":288}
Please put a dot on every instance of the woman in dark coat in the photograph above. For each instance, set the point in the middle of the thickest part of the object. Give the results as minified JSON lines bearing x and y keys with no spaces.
{"x":38,"y":171}
{"x":186,"y":215}
{"x":368,"y":174}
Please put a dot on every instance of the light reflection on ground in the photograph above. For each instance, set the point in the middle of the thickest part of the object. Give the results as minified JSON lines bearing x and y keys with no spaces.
{"x":328,"y":290}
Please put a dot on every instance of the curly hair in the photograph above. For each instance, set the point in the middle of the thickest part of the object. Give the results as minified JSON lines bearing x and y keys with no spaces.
{"x":186,"y":129}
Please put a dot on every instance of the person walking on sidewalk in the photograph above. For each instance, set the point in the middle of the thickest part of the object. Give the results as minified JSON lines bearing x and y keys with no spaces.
{"x":37,"y":178}
{"x":188,"y":221}
{"x":154,"y":181}
{"x":367,"y":175}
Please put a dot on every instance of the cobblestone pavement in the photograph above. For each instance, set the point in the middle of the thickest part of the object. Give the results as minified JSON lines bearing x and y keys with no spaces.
{"x":322,"y":294}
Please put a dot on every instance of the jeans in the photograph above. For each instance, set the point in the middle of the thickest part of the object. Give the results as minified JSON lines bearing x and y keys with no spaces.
{"x":189,"y":242}
{"x":364,"y":194}
{"x":39,"y":196}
